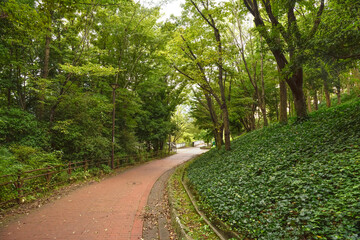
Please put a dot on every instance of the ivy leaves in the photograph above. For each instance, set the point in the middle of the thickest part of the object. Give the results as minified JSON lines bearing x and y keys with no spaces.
{"x":289,"y":182}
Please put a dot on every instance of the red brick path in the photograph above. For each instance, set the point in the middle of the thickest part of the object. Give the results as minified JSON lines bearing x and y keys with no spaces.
{"x":107,"y":210}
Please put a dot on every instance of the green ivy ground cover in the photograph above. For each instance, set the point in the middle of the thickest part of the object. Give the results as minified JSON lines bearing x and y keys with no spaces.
{"x":298,"y":181}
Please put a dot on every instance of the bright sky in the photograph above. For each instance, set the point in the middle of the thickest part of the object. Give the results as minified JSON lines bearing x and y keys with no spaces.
{"x":168,"y":7}
{"x":172,"y":7}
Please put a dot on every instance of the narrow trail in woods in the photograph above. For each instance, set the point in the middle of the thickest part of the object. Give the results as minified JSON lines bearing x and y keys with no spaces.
{"x":110,"y":209}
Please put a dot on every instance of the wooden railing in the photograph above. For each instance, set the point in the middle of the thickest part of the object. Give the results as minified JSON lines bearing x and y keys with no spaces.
{"x":26,"y":185}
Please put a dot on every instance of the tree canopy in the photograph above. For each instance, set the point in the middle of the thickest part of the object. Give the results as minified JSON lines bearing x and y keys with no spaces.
{"x":235,"y":65}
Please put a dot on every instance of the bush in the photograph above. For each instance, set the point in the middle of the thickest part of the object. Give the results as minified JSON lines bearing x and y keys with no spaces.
{"x":106,"y":169}
{"x":18,"y":126}
{"x":298,"y":181}
{"x":34,"y":158}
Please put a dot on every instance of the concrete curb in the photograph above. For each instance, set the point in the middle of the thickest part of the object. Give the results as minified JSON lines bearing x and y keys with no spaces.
{"x":175,"y":220}
{"x":222,"y":230}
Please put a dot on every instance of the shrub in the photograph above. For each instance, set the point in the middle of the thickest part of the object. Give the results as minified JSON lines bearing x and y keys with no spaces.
{"x":21,"y":127}
{"x":106,"y":169}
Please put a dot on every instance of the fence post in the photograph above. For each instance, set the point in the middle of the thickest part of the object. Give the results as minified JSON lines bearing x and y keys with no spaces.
{"x":48,"y":175}
{"x":69,"y":169}
{"x":18,"y":186}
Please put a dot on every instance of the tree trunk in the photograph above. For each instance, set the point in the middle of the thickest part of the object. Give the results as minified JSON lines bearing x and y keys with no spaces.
{"x":308,"y":101}
{"x":217,"y":129}
{"x":296,"y":86}
{"x":300,"y":104}
{"x":252,"y":119}
{"x":289,"y":107}
{"x":316,"y":101}
{"x":283,"y":102}
{"x":327,"y":94}
{"x":224,"y":107}
{"x":226,"y":127}
{"x":338,"y":90}
{"x":211,"y":22}
{"x":263,"y":104}
{"x":338,"y":94}
{"x":277,"y":108}
{"x":258,"y":120}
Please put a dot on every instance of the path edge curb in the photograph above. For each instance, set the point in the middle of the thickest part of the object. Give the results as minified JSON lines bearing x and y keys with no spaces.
{"x":175,"y":220}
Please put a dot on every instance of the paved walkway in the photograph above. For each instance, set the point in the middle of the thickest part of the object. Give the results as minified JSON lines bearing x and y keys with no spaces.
{"x":110,"y":209}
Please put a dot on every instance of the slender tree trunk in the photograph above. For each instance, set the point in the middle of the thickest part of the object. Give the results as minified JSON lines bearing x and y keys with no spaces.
{"x":327,"y":94}
{"x":226,"y":127}
{"x":252,"y":117}
{"x":218,"y":132}
{"x":222,"y":91}
{"x":258,"y":120}
{"x":338,"y":94}
{"x":316,"y":101}
{"x":321,"y":95}
{"x":277,"y":108}
{"x":221,"y":134}
{"x":283,"y":102}
{"x":289,"y":107}
{"x":308,"y":101}
{"x":252,"y":122}
{"x":338,"y":90}
{"x":263,"y":103}
{"x":211,"y":22}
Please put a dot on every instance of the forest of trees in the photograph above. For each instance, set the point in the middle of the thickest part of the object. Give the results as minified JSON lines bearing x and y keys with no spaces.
{"x":239,"y":65}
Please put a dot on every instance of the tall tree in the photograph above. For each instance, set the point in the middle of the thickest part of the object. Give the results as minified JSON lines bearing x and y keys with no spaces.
{"x":288,"y":45}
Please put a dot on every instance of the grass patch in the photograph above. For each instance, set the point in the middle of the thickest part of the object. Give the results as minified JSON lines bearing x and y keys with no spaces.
{"x":298,"y":181}
{"x":194,"y":225}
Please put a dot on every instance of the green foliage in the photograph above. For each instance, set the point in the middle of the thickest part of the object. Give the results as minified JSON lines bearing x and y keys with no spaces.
{"x":158,"y":104}
{"x":21,"y":158}
{"x":90,"y":69}
{"x":8,"y":164}
{"x":18,"y":126}
{"x":80,"y":131}
{"x":107,"y":169}
{"x":298,"y":181}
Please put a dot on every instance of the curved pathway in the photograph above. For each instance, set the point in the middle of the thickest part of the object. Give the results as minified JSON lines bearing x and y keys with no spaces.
{"x":110,"y":209}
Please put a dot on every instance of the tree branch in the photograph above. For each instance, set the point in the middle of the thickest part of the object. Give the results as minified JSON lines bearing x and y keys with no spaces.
{"x":317,"y":20}
{"x":202,"y":15}
{"x":181,"y":72}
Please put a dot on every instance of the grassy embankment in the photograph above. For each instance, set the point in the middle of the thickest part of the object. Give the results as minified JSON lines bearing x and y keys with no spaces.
{"x":295,"y":181}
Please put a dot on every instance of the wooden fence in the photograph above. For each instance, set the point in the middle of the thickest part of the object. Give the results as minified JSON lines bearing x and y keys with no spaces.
{"x":25,"y":185}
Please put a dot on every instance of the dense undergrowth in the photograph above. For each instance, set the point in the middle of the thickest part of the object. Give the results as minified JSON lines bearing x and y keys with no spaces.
{"x":295,"y":181}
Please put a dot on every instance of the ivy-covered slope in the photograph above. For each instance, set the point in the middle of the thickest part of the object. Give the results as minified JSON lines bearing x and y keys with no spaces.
{"x":298,"y":181}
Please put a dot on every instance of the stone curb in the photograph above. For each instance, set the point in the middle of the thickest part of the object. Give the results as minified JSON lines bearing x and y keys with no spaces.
{"x":175,"y":220}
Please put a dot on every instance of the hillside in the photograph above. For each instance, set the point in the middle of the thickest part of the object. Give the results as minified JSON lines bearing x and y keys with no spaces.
{"x":297,"y":181}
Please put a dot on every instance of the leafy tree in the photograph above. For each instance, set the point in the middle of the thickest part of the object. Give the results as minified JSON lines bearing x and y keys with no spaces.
{"x":288,"y":45}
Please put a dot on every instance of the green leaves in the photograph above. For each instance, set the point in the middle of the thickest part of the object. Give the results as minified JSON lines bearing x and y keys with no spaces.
{"x":90,"y":69}
{"x":298,"y":181}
